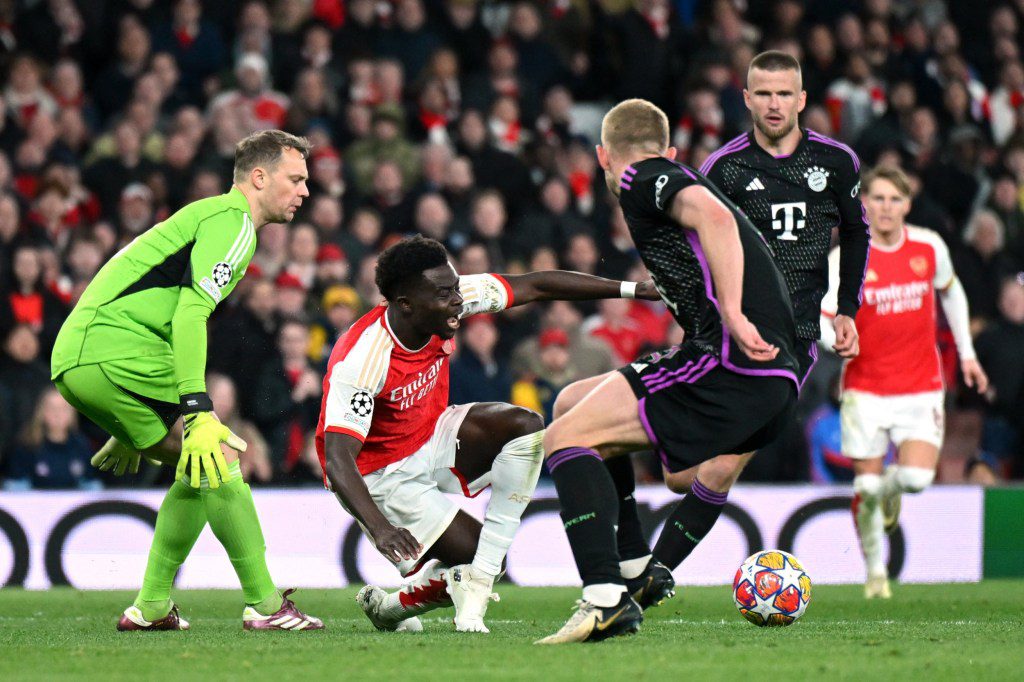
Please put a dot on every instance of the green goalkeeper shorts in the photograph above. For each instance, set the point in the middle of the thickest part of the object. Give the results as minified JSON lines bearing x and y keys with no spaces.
{"x":100,"y":392}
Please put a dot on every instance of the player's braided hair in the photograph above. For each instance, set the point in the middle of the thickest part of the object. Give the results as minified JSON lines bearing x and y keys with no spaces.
{"x":403,"y":263}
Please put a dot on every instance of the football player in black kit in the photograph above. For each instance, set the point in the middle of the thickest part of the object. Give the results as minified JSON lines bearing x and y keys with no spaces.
{"x":730,"y":388}
{"x":795,"y":185}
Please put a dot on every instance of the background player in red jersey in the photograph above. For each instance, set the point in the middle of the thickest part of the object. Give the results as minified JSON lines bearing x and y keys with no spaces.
{"x":893,"y":390}
{"x":391,"y":446}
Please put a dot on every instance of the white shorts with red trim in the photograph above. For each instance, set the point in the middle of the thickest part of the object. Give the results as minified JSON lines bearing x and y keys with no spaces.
{"x":869,"y":422}
{"x":411,"y":491}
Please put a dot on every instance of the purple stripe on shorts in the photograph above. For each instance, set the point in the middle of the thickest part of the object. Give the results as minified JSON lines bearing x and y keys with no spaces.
{"x":675,"y":375}
{"x":642,"y":412}
{"x":813,"y":352}
{"x":818,"y":137}
{"x":655,"y":377}
{"x":707,"y":364}
{"x":706,"y":494}
{"x":562,"y":456}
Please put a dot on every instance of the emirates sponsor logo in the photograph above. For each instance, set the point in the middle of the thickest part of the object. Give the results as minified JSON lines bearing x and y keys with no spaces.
{"x":409,"y":394}
{"x":897,"y":298}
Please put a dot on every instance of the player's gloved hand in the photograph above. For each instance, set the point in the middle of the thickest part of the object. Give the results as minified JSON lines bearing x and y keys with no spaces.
{"x":396,"y":543}
{"x":200,"y":448}
{"x":117,"y":457}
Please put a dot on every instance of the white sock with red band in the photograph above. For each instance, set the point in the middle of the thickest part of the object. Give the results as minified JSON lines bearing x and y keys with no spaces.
{"x":514,"y":477}
{"x":867,"y":514}
{"x":423,"y":591}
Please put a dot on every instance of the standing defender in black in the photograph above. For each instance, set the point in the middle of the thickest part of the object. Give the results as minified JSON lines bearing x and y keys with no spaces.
{"x":796,"y":186}
{"x":730,"y":388}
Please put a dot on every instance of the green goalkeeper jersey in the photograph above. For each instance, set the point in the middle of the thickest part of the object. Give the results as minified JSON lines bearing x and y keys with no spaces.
{"x":151,"y":301}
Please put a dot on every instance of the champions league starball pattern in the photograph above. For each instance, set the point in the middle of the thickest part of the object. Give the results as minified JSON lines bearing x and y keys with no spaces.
{"x":771,"y":588}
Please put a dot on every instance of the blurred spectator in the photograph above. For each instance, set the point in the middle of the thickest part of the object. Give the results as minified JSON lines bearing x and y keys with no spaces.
{"x":23,"y":378}
{"x":27,"y":300}
{"x":981,"y":263}
{"x":108,"y":176}
{"x":615,"y":327}
{"x":196,"y":44}
{"x":114,"y":85}
{"x":25,"y":94}
{"x":537,"y":390}
{"x":303,"y":246}
{"x":255,"y":462}
{"x":51,"y":452}
{"x":588,"y":357}
{"x":245,"y":340}
{"x":999,"y":351}
{"x":252,"y":103}
{"x":341,"y":306}
{"x":385,"y":143}
{"x":476,"y":374}
{"x":287,"y":397}
{"x":290,"y":295}
{"x":411,"y":40}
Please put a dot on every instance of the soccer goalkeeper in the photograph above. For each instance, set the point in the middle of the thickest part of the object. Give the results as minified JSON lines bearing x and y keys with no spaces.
{"x":132,"y":357}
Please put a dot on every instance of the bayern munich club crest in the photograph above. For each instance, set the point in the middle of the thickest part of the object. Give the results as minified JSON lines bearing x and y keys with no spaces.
{"x":222,"y":274}
{"x":362,"y":403}
{"x":817,"y":178}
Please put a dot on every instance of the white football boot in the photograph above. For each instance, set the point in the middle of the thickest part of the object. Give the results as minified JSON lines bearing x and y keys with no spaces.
{"x":470,"y":591}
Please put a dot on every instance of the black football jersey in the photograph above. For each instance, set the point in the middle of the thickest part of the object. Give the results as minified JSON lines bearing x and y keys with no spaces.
{"x":675,"y":259}
{"x":795,"y":201}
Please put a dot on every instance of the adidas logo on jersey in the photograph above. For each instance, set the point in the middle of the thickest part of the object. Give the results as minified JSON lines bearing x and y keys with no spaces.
{"x":755,"y":184}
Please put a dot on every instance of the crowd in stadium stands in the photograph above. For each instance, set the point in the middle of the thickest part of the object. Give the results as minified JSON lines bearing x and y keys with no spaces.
{"x":473,"y":123}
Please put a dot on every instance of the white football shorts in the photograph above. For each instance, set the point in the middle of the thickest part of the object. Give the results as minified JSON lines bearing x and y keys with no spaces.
{"x":411,"y":491}
{"x":870,"y":422}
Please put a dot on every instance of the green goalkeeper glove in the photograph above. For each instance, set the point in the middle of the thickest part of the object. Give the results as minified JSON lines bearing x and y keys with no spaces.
{"x":116,"y":456}
{"x":200,"y":448}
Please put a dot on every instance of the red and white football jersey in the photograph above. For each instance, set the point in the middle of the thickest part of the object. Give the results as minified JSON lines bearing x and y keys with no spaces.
{"x":897,"y":321}
{"x":389,"y":396}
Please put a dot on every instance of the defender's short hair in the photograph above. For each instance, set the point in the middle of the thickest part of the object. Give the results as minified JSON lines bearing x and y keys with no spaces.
{"x":264,"y":149}
{"x":774,"y":60}
{"x":402,"y":264}
{"x":635,"y":124}
{"x":896,"y":176}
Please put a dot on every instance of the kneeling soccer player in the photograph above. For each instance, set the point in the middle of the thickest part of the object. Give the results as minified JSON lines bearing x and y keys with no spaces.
{"x":391,"y":446}
{"x":132,"y":356}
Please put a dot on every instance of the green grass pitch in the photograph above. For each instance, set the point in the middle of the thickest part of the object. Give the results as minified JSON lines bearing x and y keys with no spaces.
{"x":932,"y":632}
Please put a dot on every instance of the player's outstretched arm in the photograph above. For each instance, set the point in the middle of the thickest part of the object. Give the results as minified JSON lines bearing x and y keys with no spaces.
{"x":956,"y":309}
{"x":340,"y":451}
{"x":697,"y":209}
{"x":563,"y":285}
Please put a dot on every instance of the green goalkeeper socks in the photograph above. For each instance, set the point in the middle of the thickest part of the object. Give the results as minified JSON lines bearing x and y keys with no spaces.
{"x":178,"y":525}
{"x":232,"y":516}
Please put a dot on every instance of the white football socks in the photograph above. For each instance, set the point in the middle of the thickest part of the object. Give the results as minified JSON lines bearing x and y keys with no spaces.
{"x":634,"y":568}
{"x":514,"y":477}
{"x":868,"y":518}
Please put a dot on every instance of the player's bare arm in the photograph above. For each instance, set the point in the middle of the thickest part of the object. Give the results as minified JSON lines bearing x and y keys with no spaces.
{"x":562,"y":285}
{"x":698,"y":209}
{"x":340,"y":452}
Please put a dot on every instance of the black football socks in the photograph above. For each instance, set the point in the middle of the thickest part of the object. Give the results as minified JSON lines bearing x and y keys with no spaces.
{"x":689,"y":522}
{"x":589,"y":512}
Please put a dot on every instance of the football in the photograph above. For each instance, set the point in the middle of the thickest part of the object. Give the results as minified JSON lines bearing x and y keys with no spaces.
{"x":771,"y":588}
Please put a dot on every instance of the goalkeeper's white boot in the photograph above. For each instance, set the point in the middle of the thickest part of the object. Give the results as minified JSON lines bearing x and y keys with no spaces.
{"x":470,"y":590}
{"x":132,"y":619}
{"x":877,"y":587}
